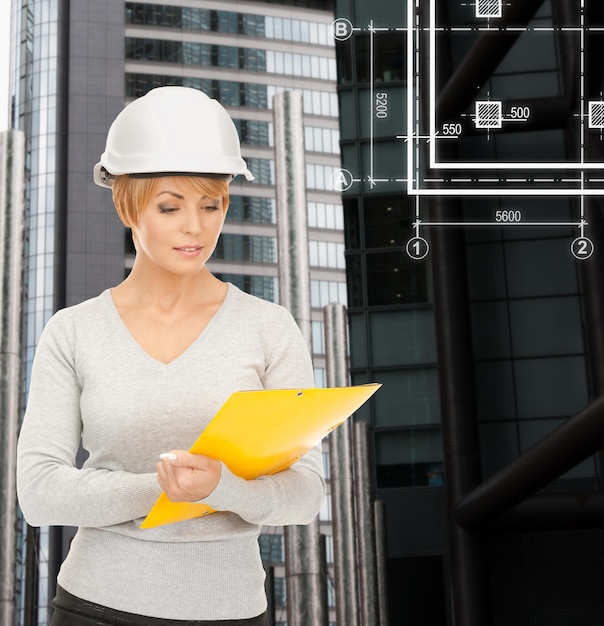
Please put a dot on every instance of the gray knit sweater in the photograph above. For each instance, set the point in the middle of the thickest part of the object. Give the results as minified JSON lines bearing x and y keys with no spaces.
{"x":92,"y":382}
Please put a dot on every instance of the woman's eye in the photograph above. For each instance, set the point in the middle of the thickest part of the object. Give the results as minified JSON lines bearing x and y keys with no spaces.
{"x":167,"y":209}
{"x":211,"y":207}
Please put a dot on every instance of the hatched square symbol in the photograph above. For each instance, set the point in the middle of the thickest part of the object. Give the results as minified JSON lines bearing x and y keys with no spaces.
{"x":488,"y":8}
{"x":596,"y":114}
{"x":489,"y":114}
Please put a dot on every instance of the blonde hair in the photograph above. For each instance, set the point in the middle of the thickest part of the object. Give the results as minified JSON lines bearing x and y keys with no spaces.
{"x":131,"y":195}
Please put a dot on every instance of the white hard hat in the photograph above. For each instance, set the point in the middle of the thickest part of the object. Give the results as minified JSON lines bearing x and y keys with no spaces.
{"x":169,"y":131}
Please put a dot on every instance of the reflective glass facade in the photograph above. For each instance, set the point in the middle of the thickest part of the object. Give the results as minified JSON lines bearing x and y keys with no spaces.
{"x":38,"y":96}
{"x":233,"y":94}
{"x":229,"y":22}
{"x":519,"y":293}
{"x":231,"y":57}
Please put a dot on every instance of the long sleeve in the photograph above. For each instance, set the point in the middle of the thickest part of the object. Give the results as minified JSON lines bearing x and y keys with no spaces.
{"x":93,"y":386}
{"x":295,"y":495}
{"x":51,"y":489}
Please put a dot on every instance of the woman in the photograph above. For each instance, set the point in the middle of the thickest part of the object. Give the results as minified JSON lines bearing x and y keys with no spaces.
{"x":136,"y":373}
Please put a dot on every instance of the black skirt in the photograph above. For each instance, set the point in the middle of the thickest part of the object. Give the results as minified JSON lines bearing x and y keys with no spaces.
{"x":72,"y":611}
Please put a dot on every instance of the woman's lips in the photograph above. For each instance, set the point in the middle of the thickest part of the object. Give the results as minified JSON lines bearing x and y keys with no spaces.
{"x":189,"y":251}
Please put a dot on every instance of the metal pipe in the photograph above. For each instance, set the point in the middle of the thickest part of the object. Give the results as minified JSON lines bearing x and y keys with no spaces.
{"x":341,"y":473}
{"x":336,"y":346}
{"x":560,"y":511}
{"x":593,"y":290}
{"x":469,"y":589}
{"x":460,"y":439}
{"x":566,"y":24}
{"x":32,"y":578}
{"x":304,"y":577}
{"x":269,"y":586}
{"x":369,"y":613}
{"x":12,"y":263}
{"x":379,"y":511}
{"x":57,"y":546}
{"x":292,"y":220}
{"x":565,"y":447}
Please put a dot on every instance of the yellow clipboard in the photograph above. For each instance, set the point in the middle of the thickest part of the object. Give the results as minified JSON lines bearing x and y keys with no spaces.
{"x":257,"y":433}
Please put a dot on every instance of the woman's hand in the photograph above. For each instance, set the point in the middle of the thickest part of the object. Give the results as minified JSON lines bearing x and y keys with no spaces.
{"x":186,"y":477}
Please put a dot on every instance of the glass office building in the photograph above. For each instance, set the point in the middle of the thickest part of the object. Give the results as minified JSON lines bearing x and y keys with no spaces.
{"x":75,"y":65}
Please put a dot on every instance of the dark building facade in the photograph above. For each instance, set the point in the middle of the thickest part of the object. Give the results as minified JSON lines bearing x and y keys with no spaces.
{"x":491,"y":341}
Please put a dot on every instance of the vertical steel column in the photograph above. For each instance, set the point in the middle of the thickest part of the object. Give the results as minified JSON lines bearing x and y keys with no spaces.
{"x":567,"y":13}
{"x":366,"y":526}
{"x":460,"y":439}
{"x":469,"y":574}
{"x":57,"y":544}
{"x":269,"y":586}
{"x":12,"y":219}
{"x":304,"y":572}
{"x":592,"y":288}
{"x":379,"y":511}
{"x":591,"y":269}
{"x":292,"y":221}
{"x":341,"y":473}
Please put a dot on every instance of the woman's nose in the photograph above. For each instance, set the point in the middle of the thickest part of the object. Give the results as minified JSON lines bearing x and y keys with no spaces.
{"x":192,"y":222}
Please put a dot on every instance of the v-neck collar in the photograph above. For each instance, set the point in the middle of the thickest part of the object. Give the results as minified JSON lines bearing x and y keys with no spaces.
{"x":142,"y":353}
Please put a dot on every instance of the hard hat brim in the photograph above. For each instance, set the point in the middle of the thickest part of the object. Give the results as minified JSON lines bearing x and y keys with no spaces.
{"x":104,"y":178}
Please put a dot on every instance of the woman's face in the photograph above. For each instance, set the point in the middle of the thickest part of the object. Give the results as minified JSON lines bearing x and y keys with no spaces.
{"x":178,"y":229}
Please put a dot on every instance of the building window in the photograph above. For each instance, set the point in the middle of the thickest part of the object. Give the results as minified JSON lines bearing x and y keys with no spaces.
{"x":280,"y":591}
{"x":325,"y":512}
{"x":232,"y":94}
{"x":251,"y":209}
{"x":318,"y":139}
{"x":324,"y":215}
{"x":263,"y":170}
{"x":298,"y":30}
{"x":319,"y":176}
{"x":229,"y":22}
{"x":271,"y":547}
{"x":264,"y":287}
{"x":324,"y":292}
{"x":387,"y":60}
{"x":329,"y":553}
{"x":388,"y":221}
{"x":327,"y":472}
{"x":230,"y":57}
{"x":255,"y":133}
{"x":354,"y":280}
{"x":320,"y":377}
{"x":352,"y":224}
{"x":314,"y":102}
{"x":393,"y":278}
{"x":410,"y":396}
{"x":326,"y":254}
{"x":379,"y":228}
{"x":318,"y":338}
{"x":246,"y":248}
{"x":409,"y":458}
{"x":194,"y":53}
